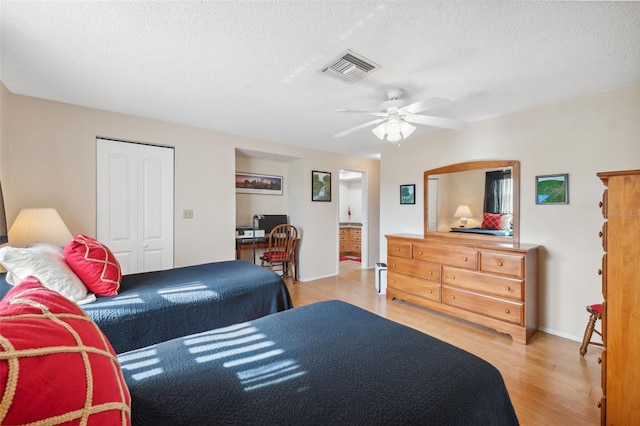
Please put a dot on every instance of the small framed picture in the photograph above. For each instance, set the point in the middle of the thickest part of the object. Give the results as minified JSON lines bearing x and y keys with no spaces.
{"x":408,"y":194}
{"x":552,"y":189}
{"x":320,"y":186}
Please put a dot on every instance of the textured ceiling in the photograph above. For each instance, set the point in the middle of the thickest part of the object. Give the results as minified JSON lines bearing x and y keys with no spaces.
{"x":252,"y":68}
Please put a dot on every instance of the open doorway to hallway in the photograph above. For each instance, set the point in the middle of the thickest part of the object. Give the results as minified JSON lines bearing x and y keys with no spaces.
{"x":351,"y":221}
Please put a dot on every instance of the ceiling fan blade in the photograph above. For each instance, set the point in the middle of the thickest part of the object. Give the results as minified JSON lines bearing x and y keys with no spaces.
{"x":420,"y":106}
{"x":429,"y":120}
{"x":377,"y":114}
{"x":362,"y":126}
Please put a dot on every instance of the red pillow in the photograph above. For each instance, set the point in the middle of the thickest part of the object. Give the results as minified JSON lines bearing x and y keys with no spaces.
{"x":94,"y":263}
{"x":56,"y":366}
{"x":491,"y":221}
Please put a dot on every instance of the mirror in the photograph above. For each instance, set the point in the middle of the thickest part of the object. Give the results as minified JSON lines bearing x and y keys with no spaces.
{"x":491,"y":186}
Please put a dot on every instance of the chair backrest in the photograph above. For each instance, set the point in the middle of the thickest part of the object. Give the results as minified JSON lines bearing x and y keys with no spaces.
{"x":282,"y":242}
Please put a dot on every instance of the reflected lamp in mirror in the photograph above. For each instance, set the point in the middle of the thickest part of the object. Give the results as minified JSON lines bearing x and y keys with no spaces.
{"x":463,"y":212}
{"x":34,"y":226}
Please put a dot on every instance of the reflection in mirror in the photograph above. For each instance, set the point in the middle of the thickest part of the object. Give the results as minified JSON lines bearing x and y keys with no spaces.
{"x":478,"y":200}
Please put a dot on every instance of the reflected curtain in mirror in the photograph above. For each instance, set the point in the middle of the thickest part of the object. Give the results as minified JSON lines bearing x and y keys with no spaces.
{"x":4,"y":235}
{"x":498,"y":192}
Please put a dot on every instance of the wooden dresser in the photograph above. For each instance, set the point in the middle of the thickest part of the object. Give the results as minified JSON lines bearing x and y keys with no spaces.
{"x":620,"y":271}
{"x":492,"y":284}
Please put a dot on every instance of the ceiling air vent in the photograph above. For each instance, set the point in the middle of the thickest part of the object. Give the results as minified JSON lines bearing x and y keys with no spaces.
{"x":350,"y":67}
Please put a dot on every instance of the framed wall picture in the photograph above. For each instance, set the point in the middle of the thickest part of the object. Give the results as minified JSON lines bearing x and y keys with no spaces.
{"x":320,"y":186}
{"x":408,"y":194}
{"x":250,"y":183}
{"x":552,"y":189}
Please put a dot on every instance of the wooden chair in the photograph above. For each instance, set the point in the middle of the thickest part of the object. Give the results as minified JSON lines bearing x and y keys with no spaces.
{"x":595,"y":312}
{"x":281,"y":252}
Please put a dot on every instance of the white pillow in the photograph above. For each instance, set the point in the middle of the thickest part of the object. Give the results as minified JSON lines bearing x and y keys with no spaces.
{"x":48,"y":267}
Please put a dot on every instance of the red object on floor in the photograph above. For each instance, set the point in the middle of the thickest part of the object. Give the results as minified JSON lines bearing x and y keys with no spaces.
{"x":355,"y":259}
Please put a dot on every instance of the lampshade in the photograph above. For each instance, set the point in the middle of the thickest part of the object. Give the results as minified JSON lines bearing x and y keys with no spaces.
{"x":463,"y":212}
{"x":3,"y":220}
{"x":39,"y":226}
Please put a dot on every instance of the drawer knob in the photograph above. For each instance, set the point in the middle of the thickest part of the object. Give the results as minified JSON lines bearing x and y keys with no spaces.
{"x":599,"y":271}
{"x":453,"y":297}
{"x":600,"y":204}
{"x":499,"y":263}
{"x":599,"y":404}
{"x":419,"y":252}
{"x":506,"y":311}
{"x":507,"y":288}
{"x":397,"y":248}
{"x":430,"y":273}
{"x":600,"y":234}
{"x":599,"y":360}
{"x":453,"y":277}
{"x":430,"y":291}
{"x":464,"y":258}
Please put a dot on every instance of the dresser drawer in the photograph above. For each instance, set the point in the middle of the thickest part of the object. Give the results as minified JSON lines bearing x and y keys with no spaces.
{"x":424,"y":270}
{"x":460,"y":258}
{"x":485,"y":305}
{"x":416,"y":286}
{"x":502,"y":264}
{"x":399,"y":249}
{"x":356,"y":235}
{"x":603,"y":272}
{"x":483,"y":283}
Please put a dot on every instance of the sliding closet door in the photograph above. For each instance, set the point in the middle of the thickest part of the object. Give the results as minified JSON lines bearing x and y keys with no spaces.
{"x":135,"y":204}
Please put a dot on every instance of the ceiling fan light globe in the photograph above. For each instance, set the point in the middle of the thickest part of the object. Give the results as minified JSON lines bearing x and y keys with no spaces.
{"x":394,"y":138}
{"x":393,"y":126}
{"x":406,"y":129}
{"x":379,"y":131}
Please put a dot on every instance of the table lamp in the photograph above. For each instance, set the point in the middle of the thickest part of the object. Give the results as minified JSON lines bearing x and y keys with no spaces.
{"x":463,"y":212}
{"x":39,"y":226}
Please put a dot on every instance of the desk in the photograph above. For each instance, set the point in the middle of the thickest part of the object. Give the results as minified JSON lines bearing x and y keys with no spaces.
{"x":262,"y":243}
{"x":247,"y":244}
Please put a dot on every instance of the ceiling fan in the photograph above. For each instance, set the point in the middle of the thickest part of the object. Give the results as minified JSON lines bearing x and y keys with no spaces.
{"x":396,"y":115}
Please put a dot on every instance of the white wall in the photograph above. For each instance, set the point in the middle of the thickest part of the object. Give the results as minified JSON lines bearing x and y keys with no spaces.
{"x":581,"y":137}
{"x":48,"y":160}
{"x":351,"y":198}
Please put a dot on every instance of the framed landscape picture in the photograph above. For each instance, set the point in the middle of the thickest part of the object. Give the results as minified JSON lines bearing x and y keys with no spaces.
{"x":320,"y":186}
{"x":250,"y":183}
{"x":552,"y":189}
{"x":408,"y":194}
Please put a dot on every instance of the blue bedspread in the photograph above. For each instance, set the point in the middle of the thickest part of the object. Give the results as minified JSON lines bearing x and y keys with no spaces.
{"x":156,"y":306}
{"x":325,"y":363}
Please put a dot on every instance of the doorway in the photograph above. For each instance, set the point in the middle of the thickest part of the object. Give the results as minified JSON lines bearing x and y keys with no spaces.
{"x":352,"y":219}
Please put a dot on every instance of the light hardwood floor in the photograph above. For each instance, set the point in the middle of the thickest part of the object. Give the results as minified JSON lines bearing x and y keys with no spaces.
{"x":548,"y":381}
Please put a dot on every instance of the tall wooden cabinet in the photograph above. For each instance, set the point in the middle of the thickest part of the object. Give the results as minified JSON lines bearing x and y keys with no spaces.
{"x":620,"y":271}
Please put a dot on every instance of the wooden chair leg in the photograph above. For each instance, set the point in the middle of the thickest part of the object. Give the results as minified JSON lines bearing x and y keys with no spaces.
{"x":588,"y":332}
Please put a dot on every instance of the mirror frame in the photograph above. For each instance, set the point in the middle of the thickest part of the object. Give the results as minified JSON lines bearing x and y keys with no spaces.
{"x":477,"y":165}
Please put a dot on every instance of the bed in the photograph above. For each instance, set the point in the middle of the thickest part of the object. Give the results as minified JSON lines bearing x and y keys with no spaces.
{"x":152,"y":307}
{"x":325,"y":363}
{"x":498,"y":232}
